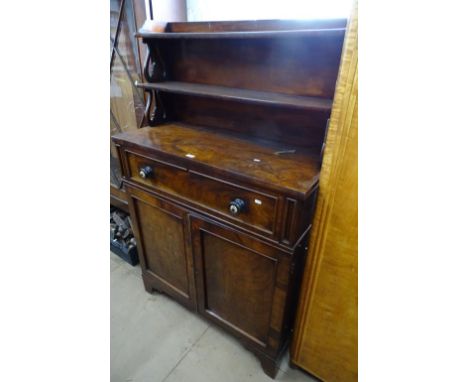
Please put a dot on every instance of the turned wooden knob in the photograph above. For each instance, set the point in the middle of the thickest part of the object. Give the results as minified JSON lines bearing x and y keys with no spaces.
{"x":236,"y":206}
{"x":145,"y":172}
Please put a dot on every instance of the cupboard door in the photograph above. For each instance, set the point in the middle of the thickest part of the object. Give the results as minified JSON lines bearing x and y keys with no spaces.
{"x":239,"y":283}
{"x":162,"y":235}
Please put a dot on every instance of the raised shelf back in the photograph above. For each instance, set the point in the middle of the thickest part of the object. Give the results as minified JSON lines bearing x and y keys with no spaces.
{"x":266,"y":79}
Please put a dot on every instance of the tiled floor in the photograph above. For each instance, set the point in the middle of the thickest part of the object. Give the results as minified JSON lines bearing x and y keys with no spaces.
{"x":155,"y":339}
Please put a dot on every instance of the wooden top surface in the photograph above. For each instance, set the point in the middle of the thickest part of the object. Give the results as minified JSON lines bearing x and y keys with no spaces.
{"x":262,"y":164}
{"x":244,"y":34}
{"x":254,"y":25}
{"x":242,"y":28}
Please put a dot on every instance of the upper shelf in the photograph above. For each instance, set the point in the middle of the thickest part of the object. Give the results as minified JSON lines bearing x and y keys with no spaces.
{"x":243,"y":95}
{"x":243,"y":34}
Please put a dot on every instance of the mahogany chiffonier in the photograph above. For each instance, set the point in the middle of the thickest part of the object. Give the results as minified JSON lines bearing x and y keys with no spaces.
{"x":221,"y":186}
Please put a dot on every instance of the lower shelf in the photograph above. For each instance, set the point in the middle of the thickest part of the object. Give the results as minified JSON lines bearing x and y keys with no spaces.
{"x":242,"y":95}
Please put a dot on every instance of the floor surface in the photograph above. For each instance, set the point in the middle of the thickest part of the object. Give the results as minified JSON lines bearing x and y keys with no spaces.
{"x":154,"y":339}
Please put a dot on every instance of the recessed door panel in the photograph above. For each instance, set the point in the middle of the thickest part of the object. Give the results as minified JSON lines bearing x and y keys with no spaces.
{"x":239,"y":285}
{"x":162,"y":236}
{"x":161,"y":230}
{"x":236,"y":280}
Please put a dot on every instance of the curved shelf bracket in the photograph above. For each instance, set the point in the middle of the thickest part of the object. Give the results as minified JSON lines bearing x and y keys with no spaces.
{"x":154,"y":70}
{"x":154,"y":109}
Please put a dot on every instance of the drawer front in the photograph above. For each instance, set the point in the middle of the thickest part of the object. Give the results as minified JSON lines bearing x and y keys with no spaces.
{"x":214,"y":195}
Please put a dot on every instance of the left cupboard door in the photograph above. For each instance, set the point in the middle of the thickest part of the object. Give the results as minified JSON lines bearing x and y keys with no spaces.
{"x":163,"y":240}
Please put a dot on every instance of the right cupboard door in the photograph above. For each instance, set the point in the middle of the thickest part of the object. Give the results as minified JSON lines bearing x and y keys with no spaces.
{"x":241,"y":283}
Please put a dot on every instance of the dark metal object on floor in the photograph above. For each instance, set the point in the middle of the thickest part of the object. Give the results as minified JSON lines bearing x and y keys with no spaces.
{"x":122,"y":242}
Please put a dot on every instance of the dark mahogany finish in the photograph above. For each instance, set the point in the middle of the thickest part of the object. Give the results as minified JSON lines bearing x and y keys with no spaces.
{"x":222,"y":188}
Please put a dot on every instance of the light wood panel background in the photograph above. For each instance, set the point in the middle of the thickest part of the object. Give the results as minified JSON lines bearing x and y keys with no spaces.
{"x":325,"y":342}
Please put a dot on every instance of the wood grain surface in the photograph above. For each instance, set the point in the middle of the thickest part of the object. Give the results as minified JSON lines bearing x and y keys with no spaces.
{"x":298,"y":65}
{"x":223,"y":184}
{"x":243,"y":95}
{"x":294,"y":172}
{"x":325,"y":341}
{"x":253,"y":25}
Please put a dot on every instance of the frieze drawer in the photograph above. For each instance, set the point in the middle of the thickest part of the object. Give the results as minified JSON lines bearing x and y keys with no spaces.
{"x":254,"y":208}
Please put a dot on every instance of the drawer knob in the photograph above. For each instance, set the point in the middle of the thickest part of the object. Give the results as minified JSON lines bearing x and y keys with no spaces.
{"x":236,"y":206}
{"x":145,"y":172}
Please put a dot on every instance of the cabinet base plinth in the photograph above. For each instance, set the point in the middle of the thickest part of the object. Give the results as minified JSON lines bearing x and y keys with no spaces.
{"x":149,"y":285}
{"x":269,"y":366}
